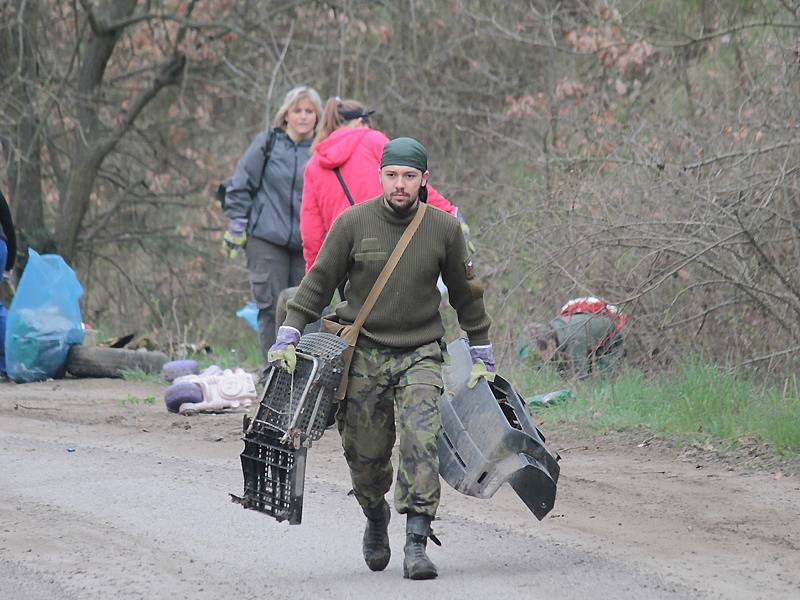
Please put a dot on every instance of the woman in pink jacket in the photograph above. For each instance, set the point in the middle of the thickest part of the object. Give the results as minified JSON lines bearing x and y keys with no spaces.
{"x":346,"y":155}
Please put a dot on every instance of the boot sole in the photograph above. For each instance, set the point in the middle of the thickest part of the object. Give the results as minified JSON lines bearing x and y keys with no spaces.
{"x":379,"y":565}
{"x":422,"y":575}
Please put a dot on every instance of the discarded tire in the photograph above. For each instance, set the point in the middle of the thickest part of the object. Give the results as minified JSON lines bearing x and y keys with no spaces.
{"x":90,"y":361}
{"x":176,"y":368}
{"x":181,"y":393}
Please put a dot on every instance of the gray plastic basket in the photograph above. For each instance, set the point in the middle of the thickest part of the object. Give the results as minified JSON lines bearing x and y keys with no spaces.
{"x":298,"y":406}
{"x":294,"y":410}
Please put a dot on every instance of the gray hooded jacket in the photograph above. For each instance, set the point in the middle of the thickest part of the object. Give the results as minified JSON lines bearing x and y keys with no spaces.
{"x":271,"y":208}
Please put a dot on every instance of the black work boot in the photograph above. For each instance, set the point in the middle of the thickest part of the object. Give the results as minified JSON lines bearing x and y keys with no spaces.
{"x":376,"y":536}
{"x":417,"y":565}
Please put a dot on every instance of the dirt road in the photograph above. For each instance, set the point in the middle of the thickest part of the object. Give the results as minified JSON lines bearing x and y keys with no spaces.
{"x":103,"y":495}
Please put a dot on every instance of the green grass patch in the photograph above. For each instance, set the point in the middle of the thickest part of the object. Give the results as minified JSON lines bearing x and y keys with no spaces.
{"x":139,"y":375}
{"x":697,"y":400}
{"x":132,"y":400}
{"x":245,"y":354}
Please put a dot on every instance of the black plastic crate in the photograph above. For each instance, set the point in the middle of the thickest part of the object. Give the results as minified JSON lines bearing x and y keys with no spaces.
{"x":294,"y":411}
{"x":273,"y":477}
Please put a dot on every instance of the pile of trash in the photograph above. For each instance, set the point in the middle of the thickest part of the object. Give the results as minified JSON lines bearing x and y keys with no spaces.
{"x":44,"y":320}
{"x":213,"y":389}
{"x":45,"y":338}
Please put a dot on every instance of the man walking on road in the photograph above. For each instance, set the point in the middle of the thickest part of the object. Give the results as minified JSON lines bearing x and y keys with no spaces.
{"x":395,"y":374}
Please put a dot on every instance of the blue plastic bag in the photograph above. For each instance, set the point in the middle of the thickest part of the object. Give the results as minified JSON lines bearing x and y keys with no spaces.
{"x":44,"y":319}
{"x":249,"y":312}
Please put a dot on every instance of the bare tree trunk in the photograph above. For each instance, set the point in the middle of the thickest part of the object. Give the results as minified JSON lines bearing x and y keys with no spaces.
{"x":27,"y":194}
{"x":24,"y":142}
{"x":552,"y":102}
{"x":99,"y":144}
{"x":343,"y":30}
{"x":93,"y":142}
{"x":89,"y":131}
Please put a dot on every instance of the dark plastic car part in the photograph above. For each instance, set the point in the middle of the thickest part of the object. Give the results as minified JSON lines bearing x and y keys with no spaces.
{"x":488,"y":438}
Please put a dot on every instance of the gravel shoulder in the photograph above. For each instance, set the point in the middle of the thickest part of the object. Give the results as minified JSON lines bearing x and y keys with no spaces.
{"x":104,"y":492}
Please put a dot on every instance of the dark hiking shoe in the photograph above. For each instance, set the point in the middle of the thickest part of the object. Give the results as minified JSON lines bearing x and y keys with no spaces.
{"x":376,"y":537}
{"x":416,"y":564}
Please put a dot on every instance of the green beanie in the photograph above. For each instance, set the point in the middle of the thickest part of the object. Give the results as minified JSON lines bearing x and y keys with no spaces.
{"x":405,"y":152}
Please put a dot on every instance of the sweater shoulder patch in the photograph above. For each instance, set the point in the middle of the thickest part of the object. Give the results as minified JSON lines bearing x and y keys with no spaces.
{"x":469,"y":268}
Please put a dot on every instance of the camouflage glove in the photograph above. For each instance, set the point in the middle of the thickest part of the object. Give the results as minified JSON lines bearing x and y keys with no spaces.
{"x":483,"y":364}
{"x":282,"y":352}
{"x":235,"y":238}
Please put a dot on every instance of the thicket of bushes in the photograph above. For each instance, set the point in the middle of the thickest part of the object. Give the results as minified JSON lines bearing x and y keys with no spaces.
{"x":645,"y":152}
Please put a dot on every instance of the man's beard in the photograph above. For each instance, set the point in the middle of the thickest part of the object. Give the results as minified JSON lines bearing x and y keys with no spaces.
{"x":401,"y":205}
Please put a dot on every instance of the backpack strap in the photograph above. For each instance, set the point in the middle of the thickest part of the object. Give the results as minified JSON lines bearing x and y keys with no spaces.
{"x":267,"y":154}
{"x":344,"y":187}
{"x":222,"y":189}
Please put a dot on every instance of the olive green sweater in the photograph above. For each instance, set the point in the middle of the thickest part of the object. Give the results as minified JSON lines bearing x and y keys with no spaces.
{"x":407,"y":311}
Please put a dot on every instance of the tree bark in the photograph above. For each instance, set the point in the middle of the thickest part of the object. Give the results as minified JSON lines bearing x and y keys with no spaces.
{"x":87,"y":140}
{"x":23,"y":142}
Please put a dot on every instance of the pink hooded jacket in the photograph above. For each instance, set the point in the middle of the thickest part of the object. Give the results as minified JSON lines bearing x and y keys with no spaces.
{"x":357,"y":153}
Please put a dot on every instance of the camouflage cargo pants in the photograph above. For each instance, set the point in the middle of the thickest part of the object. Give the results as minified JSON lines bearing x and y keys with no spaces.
{"x":388,"y":386}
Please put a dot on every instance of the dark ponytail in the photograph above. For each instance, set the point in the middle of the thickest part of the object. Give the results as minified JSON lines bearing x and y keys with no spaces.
{"x":332,"y":116}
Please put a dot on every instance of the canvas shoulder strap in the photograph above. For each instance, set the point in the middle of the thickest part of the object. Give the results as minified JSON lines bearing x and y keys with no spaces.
{"x":352,"y":335}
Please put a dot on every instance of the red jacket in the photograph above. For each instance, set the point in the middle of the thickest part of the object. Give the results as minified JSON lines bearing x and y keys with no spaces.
{"x":357,"y":153}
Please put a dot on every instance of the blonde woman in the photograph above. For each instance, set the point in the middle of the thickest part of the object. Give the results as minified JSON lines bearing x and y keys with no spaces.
{"x":262,"y":203}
